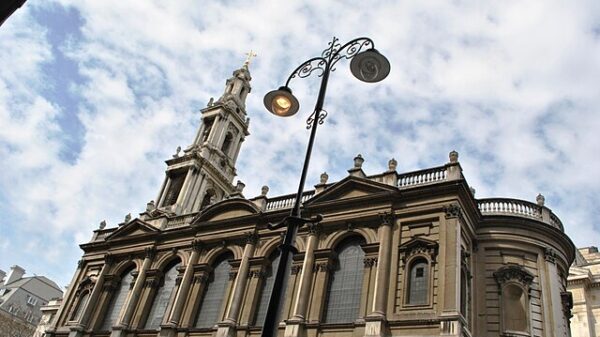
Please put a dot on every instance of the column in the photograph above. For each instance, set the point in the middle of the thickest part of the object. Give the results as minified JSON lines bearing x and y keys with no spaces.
{"x":132,"y":302}
{"x":227,"y":327}
{"x":77,"y":330}
{"x":376,"y":320}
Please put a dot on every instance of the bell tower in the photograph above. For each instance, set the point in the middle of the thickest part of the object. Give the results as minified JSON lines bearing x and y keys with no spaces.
{"x":204,"y":172}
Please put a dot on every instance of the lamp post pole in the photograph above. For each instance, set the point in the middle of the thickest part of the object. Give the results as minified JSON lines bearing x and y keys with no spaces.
{"x":368,"y":66}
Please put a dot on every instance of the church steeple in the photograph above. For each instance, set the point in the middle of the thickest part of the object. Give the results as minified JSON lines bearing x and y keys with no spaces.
{"x":204,"y":173}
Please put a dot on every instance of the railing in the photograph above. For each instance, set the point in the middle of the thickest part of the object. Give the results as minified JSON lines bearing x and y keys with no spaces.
{"x":287,"y":201}
{"x":422,"y":177}
{"x":521,"y":208}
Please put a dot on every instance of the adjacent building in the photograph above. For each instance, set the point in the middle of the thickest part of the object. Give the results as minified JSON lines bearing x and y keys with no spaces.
{"x":584,"y":284}
{"x":21,"y":297}
{"x":396,"y":254}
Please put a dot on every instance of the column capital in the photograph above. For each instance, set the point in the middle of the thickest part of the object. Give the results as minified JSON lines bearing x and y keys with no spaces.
{"x":251,"y":238}
{"x":453,"y":211}
{"x":314,"y":228}
{"x":149,"y":252}
{"x":197,"y":245}
{"x":387,"y":219}
{"x":108,"y":259}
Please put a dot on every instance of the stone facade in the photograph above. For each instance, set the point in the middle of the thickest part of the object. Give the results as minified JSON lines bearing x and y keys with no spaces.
{"x":584,"y":284}
{"x":396,"y":254}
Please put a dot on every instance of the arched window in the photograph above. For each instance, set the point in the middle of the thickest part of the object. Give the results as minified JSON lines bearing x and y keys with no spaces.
{"x":227,"y":143}
{"x":207,"y":198}
{"x":267,"y":287}
{"x":162,"y":297}
{"x":418,"y":283}
{"x":83,"y":298}
{"x":210,"y":307}
{"x":514,"y":308}
{"x":345,"y":283}
{"x":116,"y":302}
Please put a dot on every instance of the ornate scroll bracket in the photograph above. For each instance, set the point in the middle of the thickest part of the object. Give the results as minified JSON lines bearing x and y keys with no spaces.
{"x":387,"y":219}
{"x":370,"y":262}
{"x":252,"y":238}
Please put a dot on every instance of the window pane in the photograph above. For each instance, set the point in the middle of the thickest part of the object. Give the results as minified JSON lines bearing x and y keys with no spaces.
{"x":117,"y":301}
{"x":80,"y":305}
{"x":345,"y":284}
{"x":261,"y":308}
{"x":208,"y":315}
{"x":418,"y":283}
{"x":161,"y":299}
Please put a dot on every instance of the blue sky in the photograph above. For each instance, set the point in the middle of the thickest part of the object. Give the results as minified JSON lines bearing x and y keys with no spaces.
{"x":94,"y":95}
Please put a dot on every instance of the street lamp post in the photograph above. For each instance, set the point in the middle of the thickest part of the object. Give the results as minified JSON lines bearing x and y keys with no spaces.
{"x":368,"y":66}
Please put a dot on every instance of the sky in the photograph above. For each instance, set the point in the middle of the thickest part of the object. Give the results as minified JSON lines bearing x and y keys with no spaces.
{"x":95,"y":95}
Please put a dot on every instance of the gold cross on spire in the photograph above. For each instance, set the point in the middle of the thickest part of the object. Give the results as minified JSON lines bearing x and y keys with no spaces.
{"x":250,"y":54}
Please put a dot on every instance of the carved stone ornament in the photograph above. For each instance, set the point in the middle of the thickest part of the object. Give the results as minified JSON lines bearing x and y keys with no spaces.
{"x":322,"y":267}
{"x":566,"y":298}
{"x":108,"y":259}
{"x":387,"y":219}
{"x":81,"y":263}
{"x":550,"y":255}
{"x":392,"y":164}
{"x":202,"y":278}
{"x":513,"y":273}
{"x":323,"y":178}
{"x":452,"y":211}
{"x":256,"y":273}
{"x":313,"y":228}
{"x":197,"y":245}
{"x":149,"y":252}
{"x":370,"y":262}
{"x":296,"y":269}
{"x":252,"y":238}
{"x":418,"y":246}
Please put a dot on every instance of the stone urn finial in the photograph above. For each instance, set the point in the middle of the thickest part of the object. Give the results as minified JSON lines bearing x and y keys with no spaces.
{"x":472,"y":190}
{"x":540,"y":199}
{"x":453,"y":157}
{"x":150,"y":206}
{"x":102,"y":224}
{"x":239,"y":187}
{"x":358,"y":161}
{"x":264,"y":190}
{"x":127,"y":218}
{"x":323,"y":178}
{"x":392,"y":164}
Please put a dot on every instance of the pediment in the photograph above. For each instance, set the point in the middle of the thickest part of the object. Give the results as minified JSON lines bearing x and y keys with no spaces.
{"x":136,"y":227}
{"x":417,"y":242}
{"x":351,"y":187}
{"x":226,"y":209}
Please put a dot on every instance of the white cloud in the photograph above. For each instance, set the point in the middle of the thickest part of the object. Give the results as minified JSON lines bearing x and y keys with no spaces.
{"x":511,"y":86}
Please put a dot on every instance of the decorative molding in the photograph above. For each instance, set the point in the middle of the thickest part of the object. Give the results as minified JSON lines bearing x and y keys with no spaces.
{"x":257,"y":273}
{"x":202,"y":278}
{"x":296,"y":269}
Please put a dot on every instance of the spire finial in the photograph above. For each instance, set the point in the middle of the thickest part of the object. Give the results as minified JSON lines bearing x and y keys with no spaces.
{"x":249,"y":57}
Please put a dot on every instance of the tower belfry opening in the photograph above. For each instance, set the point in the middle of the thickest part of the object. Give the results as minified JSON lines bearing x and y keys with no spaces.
{"x":204,"y":173}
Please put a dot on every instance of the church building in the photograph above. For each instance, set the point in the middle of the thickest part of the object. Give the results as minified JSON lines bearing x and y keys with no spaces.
{"x":396,"y":254}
